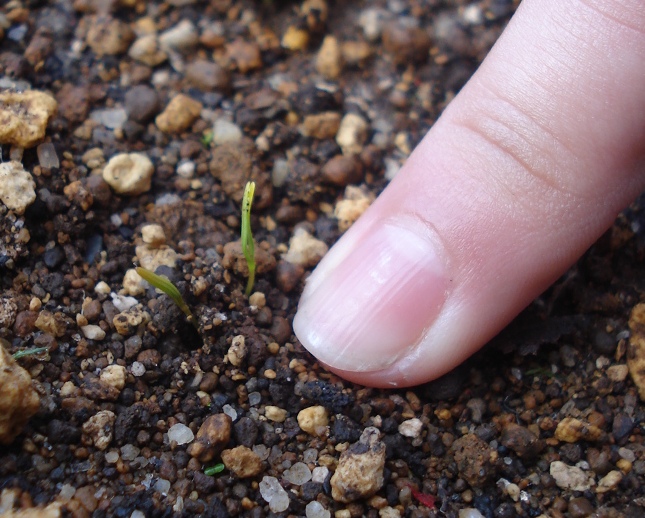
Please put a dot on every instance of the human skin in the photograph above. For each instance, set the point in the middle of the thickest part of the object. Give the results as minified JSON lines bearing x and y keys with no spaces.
{"x":524,"y":170}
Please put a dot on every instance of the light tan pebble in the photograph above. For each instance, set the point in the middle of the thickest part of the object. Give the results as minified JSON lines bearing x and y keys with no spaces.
{"x":237,"y":351}
{"x":275,"y":413}
{"x":129,"y":174}
{"x":81,"y":320}
{"x":636,"y":348}
{"x":102,"y":288}
{"x":343,"y":513}
{"x":350,"y":208}
{"x":329,"y":61}
{"x":295,"y":39}
{"x":314,"y":420}
{"x":98,"y":429}
{"x":273,"y":348}
{"x":321,"y":125}
{"x":68,"y":389}
{"x":624,"y":465}
{"x":152,"y":258}
{"x":93,"y":332}
{"x":573,"y":430}
{"x":609,"y":482}
{"x":304,"y":249}
{"x":17,"y":187}
{"x":359,"y":473}
{"x":18,"y":399}
{"x":8,"y":312}
{"x":570,"y":477}
{"x":127,"y":322}
{"x":17,"y":128}
{"x":179,"y":115}
{"x":242,"y":462}
{"x":93,"y":158}
{"x":53,"y":323}
{"x":114,"y":376}
{"x":35,"y":304}
{"x":402,"y":143}
{"x":356,"y":53}
{"x":513,"y":490}
{"x":411,"y":427}
{"x":618,"y":372}
{"x":258,"y":299}
{"x":377,"y":502}
{"x":389,"y":512}
{"x":352,"y":134}
{"x":133,"y":283}
{"x":182,"y":37}
{"x":52,"y":510}
{"x":144,"y":25}
{"x":147,"y":50}
{"x":109,"y":36}
{"x":270,"y":374}
{"x":153,"y":235}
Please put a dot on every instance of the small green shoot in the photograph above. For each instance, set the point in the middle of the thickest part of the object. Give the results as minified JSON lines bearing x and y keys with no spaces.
{"x":163,"y":283}
{"x":248,"y":245}
{"x":207,"y":138}
{"x":214,"y":470}
{"x":29,"y":352}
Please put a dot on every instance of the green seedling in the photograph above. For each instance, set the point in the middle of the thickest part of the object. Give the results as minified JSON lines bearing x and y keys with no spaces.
{"x":248,"y":245}
{"x":29,"y":352}
{"x":214,"y":470}
{"x":207,"y":138}
{"x":163,"y":283}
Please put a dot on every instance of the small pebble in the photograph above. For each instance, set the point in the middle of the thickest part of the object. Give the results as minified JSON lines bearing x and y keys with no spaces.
{"x":352,"y":134}
{"x":304,"y":249}
{"x":17,"y":186}
{"x":47,"y":156}
{"x":570,"y":477}
{"x":225,"y":131}
{"x":93,"y":332}
{"x":100,"y":428}
{"x":242,"y":462}
{"x":617,"y":373}
{"x":359,"y":473}
{"x":153,"y":235}
{"x":179,"y":115}
{"x":411,"y":427}
{"x":315,"y":509}
{"x":298,"y":474}
{"x":274,"y":413}
{"x":609,"y":482}
{"x":181,"y":38}
{"x":580,"y":507}
{"x":180,"y":434}
{"x":274,"y":494}
{"x":129,"y":174}
{"x":329,"y":61}
{"x":319,"y":474}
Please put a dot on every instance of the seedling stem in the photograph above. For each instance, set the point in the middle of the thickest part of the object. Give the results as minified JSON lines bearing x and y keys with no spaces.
{"x":163,"y":283}
{"x":248,"y":245}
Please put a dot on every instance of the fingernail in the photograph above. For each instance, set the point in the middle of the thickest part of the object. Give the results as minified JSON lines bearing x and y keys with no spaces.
{"x":371,"y":298}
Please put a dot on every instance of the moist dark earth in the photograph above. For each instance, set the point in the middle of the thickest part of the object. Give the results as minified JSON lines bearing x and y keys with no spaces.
{"x":319,"y":103}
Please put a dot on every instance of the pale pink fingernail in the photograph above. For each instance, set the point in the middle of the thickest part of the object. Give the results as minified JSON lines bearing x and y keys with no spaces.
{"x":371,"y":299}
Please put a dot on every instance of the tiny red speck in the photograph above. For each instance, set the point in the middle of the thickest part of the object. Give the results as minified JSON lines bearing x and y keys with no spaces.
{"x":425,"y":499}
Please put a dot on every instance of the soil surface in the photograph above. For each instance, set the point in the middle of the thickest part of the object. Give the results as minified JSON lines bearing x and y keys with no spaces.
{"x":154,"y":115}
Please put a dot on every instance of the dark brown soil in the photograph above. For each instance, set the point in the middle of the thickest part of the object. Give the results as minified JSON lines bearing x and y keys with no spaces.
{"x":484,"y":439}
